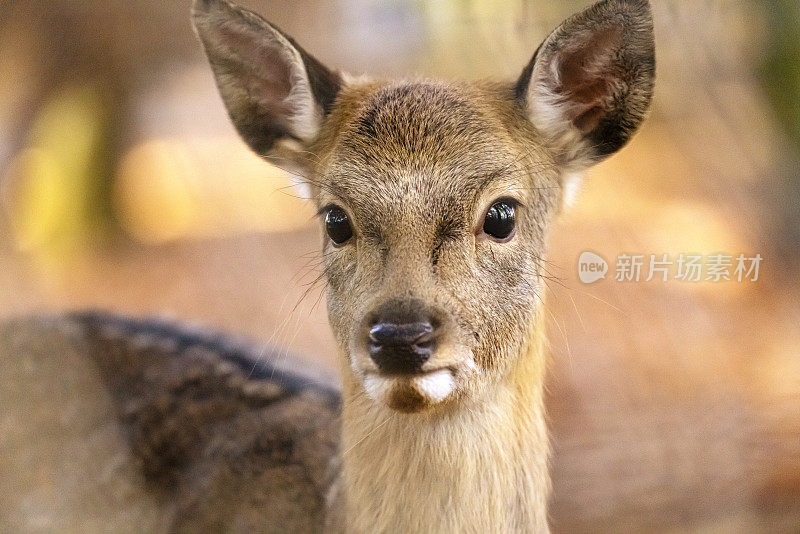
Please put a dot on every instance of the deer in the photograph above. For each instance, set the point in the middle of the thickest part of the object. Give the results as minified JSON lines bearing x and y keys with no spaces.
{"x":435,"y":200}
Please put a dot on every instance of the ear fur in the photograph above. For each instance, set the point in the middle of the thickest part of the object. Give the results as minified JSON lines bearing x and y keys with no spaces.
{"x":590,"y":83}
{"x":276,"y":93}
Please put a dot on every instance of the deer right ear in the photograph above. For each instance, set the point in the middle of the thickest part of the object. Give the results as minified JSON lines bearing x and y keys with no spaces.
{"x":589,"y":85}
{"x":277,"y":94}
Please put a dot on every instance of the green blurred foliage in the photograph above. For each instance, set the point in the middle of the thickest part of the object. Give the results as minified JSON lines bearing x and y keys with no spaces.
{"x":781,"y":66}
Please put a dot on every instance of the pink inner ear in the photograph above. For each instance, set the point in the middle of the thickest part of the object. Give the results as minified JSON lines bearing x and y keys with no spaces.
{"x":586,"y":75}
{"x":262,"y":70}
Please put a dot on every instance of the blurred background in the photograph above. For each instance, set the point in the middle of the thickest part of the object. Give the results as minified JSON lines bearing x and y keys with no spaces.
{"x":124,"y":187}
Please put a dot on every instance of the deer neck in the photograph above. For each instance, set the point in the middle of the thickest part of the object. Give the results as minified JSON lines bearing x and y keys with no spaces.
{"x":477,"y":468}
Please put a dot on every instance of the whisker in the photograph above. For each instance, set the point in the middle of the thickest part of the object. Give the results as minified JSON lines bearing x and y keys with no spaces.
{"x":389,"y":417}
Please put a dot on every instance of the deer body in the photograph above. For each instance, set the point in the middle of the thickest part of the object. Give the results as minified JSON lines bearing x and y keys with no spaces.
{"x":123,"y":425}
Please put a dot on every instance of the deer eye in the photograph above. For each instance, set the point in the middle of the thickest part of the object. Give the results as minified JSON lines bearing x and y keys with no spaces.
{"x":337,"y":225}
{"x":500,"y":220}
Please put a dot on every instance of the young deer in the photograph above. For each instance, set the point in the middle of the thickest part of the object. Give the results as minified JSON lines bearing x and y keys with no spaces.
{"x":436,"y":199}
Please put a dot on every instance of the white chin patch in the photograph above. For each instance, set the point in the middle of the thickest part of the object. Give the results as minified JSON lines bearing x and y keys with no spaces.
{"x":434,"y":387}
{"x":378,"y":387}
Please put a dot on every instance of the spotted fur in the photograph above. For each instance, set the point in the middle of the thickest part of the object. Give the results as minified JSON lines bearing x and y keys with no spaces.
{"x":176,"y":429}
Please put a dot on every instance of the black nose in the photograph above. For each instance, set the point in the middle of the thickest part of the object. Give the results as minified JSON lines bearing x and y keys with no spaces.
{"x":401,"y":348}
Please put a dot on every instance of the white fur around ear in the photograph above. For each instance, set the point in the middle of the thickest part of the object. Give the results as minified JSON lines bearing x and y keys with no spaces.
{"x":571,"y":183}
{"x":304,"y":112}
{"x":301,"y":185}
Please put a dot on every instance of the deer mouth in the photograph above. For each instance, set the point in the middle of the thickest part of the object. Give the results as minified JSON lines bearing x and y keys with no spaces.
{"x":411,"y":393}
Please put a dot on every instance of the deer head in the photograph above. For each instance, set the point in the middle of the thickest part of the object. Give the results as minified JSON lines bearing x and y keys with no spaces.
{"x":435,"y":198}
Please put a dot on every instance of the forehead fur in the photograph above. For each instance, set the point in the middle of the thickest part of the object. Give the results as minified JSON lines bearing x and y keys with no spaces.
{"x":429,"y":136}
{"x":420,"y":123}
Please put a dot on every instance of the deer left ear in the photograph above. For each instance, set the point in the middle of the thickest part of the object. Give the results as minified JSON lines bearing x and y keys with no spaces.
{"x":589,"y":85}
{"x":276,"y":93}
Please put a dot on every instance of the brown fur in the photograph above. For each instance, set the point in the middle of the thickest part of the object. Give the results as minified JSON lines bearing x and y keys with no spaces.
{"x":182,"y":431}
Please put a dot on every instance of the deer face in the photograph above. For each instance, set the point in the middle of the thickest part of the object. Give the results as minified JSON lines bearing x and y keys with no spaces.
{"x":435,"y":202}
{"x":435,"y":198}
